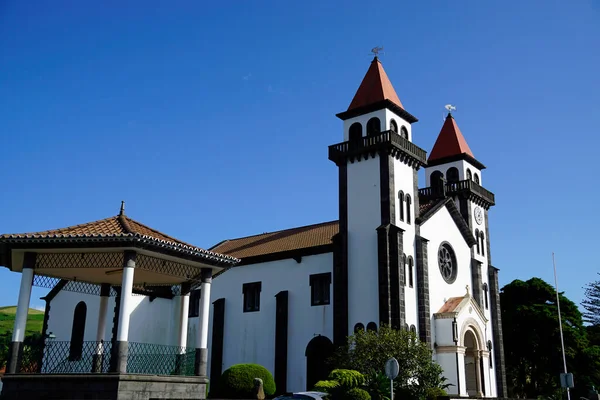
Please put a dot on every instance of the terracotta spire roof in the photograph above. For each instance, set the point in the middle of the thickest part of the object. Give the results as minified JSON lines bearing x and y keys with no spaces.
{"x":375,"y":87}
{"x":450,"y":142}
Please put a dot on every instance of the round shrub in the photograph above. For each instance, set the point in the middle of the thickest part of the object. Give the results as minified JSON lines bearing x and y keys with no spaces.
{"x":357,"y":394}
{"x":434,"y":393}
{"x":237,"y":382}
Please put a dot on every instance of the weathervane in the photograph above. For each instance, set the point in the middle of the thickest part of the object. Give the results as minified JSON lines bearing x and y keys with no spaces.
{"x":450,"y":107}
{"x":376,"y":50}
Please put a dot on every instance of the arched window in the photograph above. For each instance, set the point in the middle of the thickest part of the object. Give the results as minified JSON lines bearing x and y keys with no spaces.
{"x":436,"y":181}
{"x":393,"y":126}
{"x":408,"y":205}
{"x":371,"y":327}
{"x":485,"y":296}
{"x":77,"y":332}
{"x":452,"y":174}
{"x":404,"y":132}
{"x":373,"y":126}
{"x":476,"y":178}
{"x":469,"y":174}
{"x":401,"y":204}
{"x":355,"y":132}
{"x":482,"y":243}
{"x":410,"y":271}
{"x":359,"y":328}
{"x":477,"y":237}
{"x":413,"y":329}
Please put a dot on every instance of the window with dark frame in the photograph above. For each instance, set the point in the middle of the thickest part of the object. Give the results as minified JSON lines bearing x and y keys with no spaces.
{"x":401,"y":204}
{"x":410,"y":271}
{"x":482,"y":243}
{"x":485,"y":296}
{"x":320,"y":289}
{"x":408,"y":205}
{"x":194,"y":307}
{"x":252,"y":296}
{"x":477,"y":236}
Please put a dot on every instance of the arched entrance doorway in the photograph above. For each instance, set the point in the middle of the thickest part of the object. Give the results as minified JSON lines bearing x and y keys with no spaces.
{"x":319,"y":349}
{"x":472,"y":365}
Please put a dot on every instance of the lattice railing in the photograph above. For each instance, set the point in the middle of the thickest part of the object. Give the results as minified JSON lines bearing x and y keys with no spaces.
{"x":64,"y":357}
{"x":158,"y":359}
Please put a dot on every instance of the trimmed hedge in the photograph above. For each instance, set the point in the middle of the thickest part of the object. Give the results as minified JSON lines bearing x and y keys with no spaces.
{"x":357,"y":394}
{"x":237,"y":382}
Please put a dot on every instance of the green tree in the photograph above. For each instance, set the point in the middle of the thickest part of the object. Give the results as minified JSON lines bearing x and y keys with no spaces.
{"x":591,"y":303}
{"x":532,"y":340}
{"x":367,"y":353}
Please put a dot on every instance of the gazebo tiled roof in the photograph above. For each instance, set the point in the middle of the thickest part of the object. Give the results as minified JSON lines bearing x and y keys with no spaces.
{"x":119,"y":228}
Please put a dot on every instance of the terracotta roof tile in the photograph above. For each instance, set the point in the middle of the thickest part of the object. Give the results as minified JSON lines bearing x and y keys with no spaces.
{"x":275,"y":242}
{"x":375,"y":87}
{"x":117,"y":226}
{"x":451,"y":304}
{"x":450,"y":142}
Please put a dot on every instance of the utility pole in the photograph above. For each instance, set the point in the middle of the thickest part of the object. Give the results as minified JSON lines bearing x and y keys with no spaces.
{"x":562,"y":341}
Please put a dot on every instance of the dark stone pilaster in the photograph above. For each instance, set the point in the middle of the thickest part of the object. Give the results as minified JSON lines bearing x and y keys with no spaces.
{"x":424,"y":312}
{"x":387,"y":189}
{"x":281,"y":341}
{"x":383,"y":274}
{"x":201,"y":362}
{"x":216,"y":351}
{"x":340,"y":264}
{"x":15,"y":353}
{"x":122,"y":353}
{"x":397,"y":277}
{"x":477,"y":282}
{"x":113,"y":354}
{"x":487,"y":237}
{"x":500,"y":365}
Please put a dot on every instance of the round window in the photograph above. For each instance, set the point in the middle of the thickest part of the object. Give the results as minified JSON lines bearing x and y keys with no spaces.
{"x":447,"y":262}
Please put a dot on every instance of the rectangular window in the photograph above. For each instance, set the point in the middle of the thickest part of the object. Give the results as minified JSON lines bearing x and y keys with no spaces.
{"x":320,"y":288}
{"x":194,"y":308}
{"x":252,"y":296}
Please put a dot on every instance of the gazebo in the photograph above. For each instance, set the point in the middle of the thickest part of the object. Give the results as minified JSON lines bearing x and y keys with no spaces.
{"x":118,"y":257}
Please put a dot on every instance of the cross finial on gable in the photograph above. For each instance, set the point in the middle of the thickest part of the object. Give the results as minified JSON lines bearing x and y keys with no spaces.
{"x":467,"y":287}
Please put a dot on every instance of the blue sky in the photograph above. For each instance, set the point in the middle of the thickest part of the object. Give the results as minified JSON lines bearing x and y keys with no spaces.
{"x":212,"y":119}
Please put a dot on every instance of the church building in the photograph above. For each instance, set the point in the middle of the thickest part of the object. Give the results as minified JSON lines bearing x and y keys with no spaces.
{"x":409,"y":255}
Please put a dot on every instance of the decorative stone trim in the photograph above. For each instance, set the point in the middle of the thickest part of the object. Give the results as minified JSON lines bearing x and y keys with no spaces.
{"x":498,"y":347}
{"x":450,"y":349}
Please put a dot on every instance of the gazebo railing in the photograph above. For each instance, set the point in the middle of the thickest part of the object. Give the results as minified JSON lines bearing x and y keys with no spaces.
{"x":65,"y":357}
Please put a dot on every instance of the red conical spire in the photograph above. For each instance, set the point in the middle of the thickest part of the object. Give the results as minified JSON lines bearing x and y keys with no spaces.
{"x":375,"y":87}
{"x":450,"y":142}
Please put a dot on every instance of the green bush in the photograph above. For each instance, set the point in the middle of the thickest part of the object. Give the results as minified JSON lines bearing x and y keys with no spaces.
{"x":434,"y":393}
{"x":357,"y":394}
{"x":326,"y":386}
{"x":347,"y":377}
{"x":237,"y":382}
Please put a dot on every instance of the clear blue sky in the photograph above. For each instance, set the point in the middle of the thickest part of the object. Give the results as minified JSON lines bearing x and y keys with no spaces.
{"x":212,"y":121}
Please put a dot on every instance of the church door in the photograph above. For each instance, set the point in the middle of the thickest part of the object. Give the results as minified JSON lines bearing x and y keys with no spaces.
{"x":317,"y":353}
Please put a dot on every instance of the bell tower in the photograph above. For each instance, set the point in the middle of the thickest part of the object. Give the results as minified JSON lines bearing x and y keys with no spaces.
{"x":378,"y":203}
{"x":452,"y":171}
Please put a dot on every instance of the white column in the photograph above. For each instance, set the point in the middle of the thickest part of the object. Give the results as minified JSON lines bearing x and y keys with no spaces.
{"x":183,"y":320}
{"x":23,"y":305}
{"x":125,"y":307}
{"x":202,"y":340}
{"x":16,"y":346}
{"x":125,"y":312}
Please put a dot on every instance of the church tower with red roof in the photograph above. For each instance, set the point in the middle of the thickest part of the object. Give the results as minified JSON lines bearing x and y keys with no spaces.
{"x":378,"y":204}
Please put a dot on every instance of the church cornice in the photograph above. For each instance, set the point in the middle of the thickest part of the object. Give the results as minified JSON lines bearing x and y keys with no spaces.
{"x":401,"y":112}
{"x":387,"y":142}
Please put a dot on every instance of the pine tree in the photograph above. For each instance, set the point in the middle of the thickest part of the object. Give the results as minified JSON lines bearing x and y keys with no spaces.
{"x":592,"y":303}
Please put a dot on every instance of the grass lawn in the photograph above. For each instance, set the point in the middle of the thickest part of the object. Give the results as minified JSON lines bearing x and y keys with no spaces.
{"x":35,"y":320}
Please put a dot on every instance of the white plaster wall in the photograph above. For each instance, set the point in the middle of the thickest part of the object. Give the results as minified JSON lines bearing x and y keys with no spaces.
{"x":150,"y":322}
{"x":441,"y":228}
{"x":364,"y":217}
{"x":250,"y":337}
{"x":448,"y":363}
{"x":389,"y":115}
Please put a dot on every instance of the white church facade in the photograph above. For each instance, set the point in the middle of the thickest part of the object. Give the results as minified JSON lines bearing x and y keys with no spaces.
{"x":412,"y":256}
